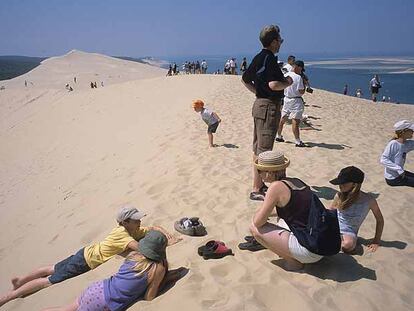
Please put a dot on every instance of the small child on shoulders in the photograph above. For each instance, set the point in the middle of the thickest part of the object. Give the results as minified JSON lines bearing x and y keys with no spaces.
{"x":209,"y":117}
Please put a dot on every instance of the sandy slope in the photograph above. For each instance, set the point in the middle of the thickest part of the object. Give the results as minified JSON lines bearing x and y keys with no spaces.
{"x":56,"y":72}
{"x":68,"y":160}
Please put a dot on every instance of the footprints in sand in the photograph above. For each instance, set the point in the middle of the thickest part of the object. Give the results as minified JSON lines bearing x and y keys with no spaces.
{"x":53,"y":239}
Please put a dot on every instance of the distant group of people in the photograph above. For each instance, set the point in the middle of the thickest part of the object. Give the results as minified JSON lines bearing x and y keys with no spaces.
{"x":374,"y":87}
{"x":93,"y":85}
{"x":230,"y":67}
{"x":193,"y":67}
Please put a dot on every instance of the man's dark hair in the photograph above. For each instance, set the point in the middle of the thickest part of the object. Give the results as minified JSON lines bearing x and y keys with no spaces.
{"x":291,"y":57}
{"x":268,"y":34}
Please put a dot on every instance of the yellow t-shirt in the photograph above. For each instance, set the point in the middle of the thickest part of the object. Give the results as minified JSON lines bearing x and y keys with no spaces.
{"x":115,"y":243}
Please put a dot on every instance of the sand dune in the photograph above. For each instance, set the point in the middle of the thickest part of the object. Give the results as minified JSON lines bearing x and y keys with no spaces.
{"x":68,"y":160}
{"x":56,"y":72}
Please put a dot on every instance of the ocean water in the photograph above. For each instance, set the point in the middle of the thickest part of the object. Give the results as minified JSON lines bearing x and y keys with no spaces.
{"x":331,"y":73}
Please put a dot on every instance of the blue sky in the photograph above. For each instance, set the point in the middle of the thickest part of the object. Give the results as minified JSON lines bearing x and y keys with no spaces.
{"x":184,"y":27}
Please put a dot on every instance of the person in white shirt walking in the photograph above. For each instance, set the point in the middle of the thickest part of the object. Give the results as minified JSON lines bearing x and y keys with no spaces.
{"x":204,"y":67}
{"x":209,"y":117}
{"x":395,"y":154}
{"x":290,"y":63}
{"x":293,"y":105}
{"x":233,"y":66}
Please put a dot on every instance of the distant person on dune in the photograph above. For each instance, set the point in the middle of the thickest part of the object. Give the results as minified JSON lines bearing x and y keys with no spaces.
{"x":395,"y":154}
{"x":375,"y":85}
{"x":358,"y":93}
{"x":345,"y":91}
{"x":243,"y":65}
{"x":288,"y":67}
{"x":265,"y":79}
{"x":209,"y":117}
{"x":125,"y":236}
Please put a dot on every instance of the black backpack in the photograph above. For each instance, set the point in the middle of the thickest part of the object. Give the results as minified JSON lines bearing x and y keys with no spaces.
{"x":321,"y":235}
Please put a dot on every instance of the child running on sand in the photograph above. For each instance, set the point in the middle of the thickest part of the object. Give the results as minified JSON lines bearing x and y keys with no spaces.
{"x":125,"y":236}
{"x":353,"y":206}
{"x":211,"y":118}
{"x":395,"y":153}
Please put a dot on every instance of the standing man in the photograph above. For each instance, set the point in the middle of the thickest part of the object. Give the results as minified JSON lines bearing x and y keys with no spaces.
{"x":375,"y":85}
{"x":233,"y":66}
{"x":265,"y":79}
{"x":243,"y":66}
{"x":204,"y":66}
{"x":290,"y":63}
{"x":345,"y":89}
{"x":293,"y":105}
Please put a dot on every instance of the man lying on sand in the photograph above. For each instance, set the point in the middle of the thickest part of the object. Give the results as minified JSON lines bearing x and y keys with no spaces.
{"x":125,"y":236}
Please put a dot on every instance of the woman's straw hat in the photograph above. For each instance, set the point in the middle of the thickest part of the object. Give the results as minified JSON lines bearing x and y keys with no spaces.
{"x":271,"y":161}
{"x":198,"y":103}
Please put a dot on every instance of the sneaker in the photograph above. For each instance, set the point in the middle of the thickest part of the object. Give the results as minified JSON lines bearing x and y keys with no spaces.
{"x":280,"y":139}
{"x":256,"y":196}
{"x":301,"y":144}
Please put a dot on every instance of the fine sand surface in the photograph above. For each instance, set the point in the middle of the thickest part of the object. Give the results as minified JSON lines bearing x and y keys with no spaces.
{"x":68,"y":160}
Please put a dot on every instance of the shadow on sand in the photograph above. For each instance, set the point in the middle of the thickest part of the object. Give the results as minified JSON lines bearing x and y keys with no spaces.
{"x":391,"y":244}
{"x":181,"y":272}
{"x":340,"y":268}
{"x":229,"y":146}
{"x":328,"y":146}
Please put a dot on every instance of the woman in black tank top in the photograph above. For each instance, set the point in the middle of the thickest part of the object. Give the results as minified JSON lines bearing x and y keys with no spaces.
{"x":291,"y":198}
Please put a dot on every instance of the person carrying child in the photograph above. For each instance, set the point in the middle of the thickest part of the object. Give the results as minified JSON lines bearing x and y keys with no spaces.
{"x":209,"y":117}
{"x":395,"y":154}
{"x":125,"y":236}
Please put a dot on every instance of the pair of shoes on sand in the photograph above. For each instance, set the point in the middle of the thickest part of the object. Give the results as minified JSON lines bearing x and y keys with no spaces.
{"x":259,"y":196}
{"x":190,"y":226}
{"x":214,"y":250}
{"x":251,"y":244}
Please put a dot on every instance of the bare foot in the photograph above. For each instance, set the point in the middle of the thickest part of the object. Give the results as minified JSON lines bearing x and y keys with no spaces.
{"x":15,"y":282}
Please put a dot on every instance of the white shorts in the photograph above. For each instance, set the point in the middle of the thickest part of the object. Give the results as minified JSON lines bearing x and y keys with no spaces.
{"x":293,"y":108}
{"x":300,"y":253}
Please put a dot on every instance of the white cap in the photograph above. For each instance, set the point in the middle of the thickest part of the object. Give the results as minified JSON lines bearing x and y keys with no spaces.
{"x":129,"y":212}
{"x":402,"y":125}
